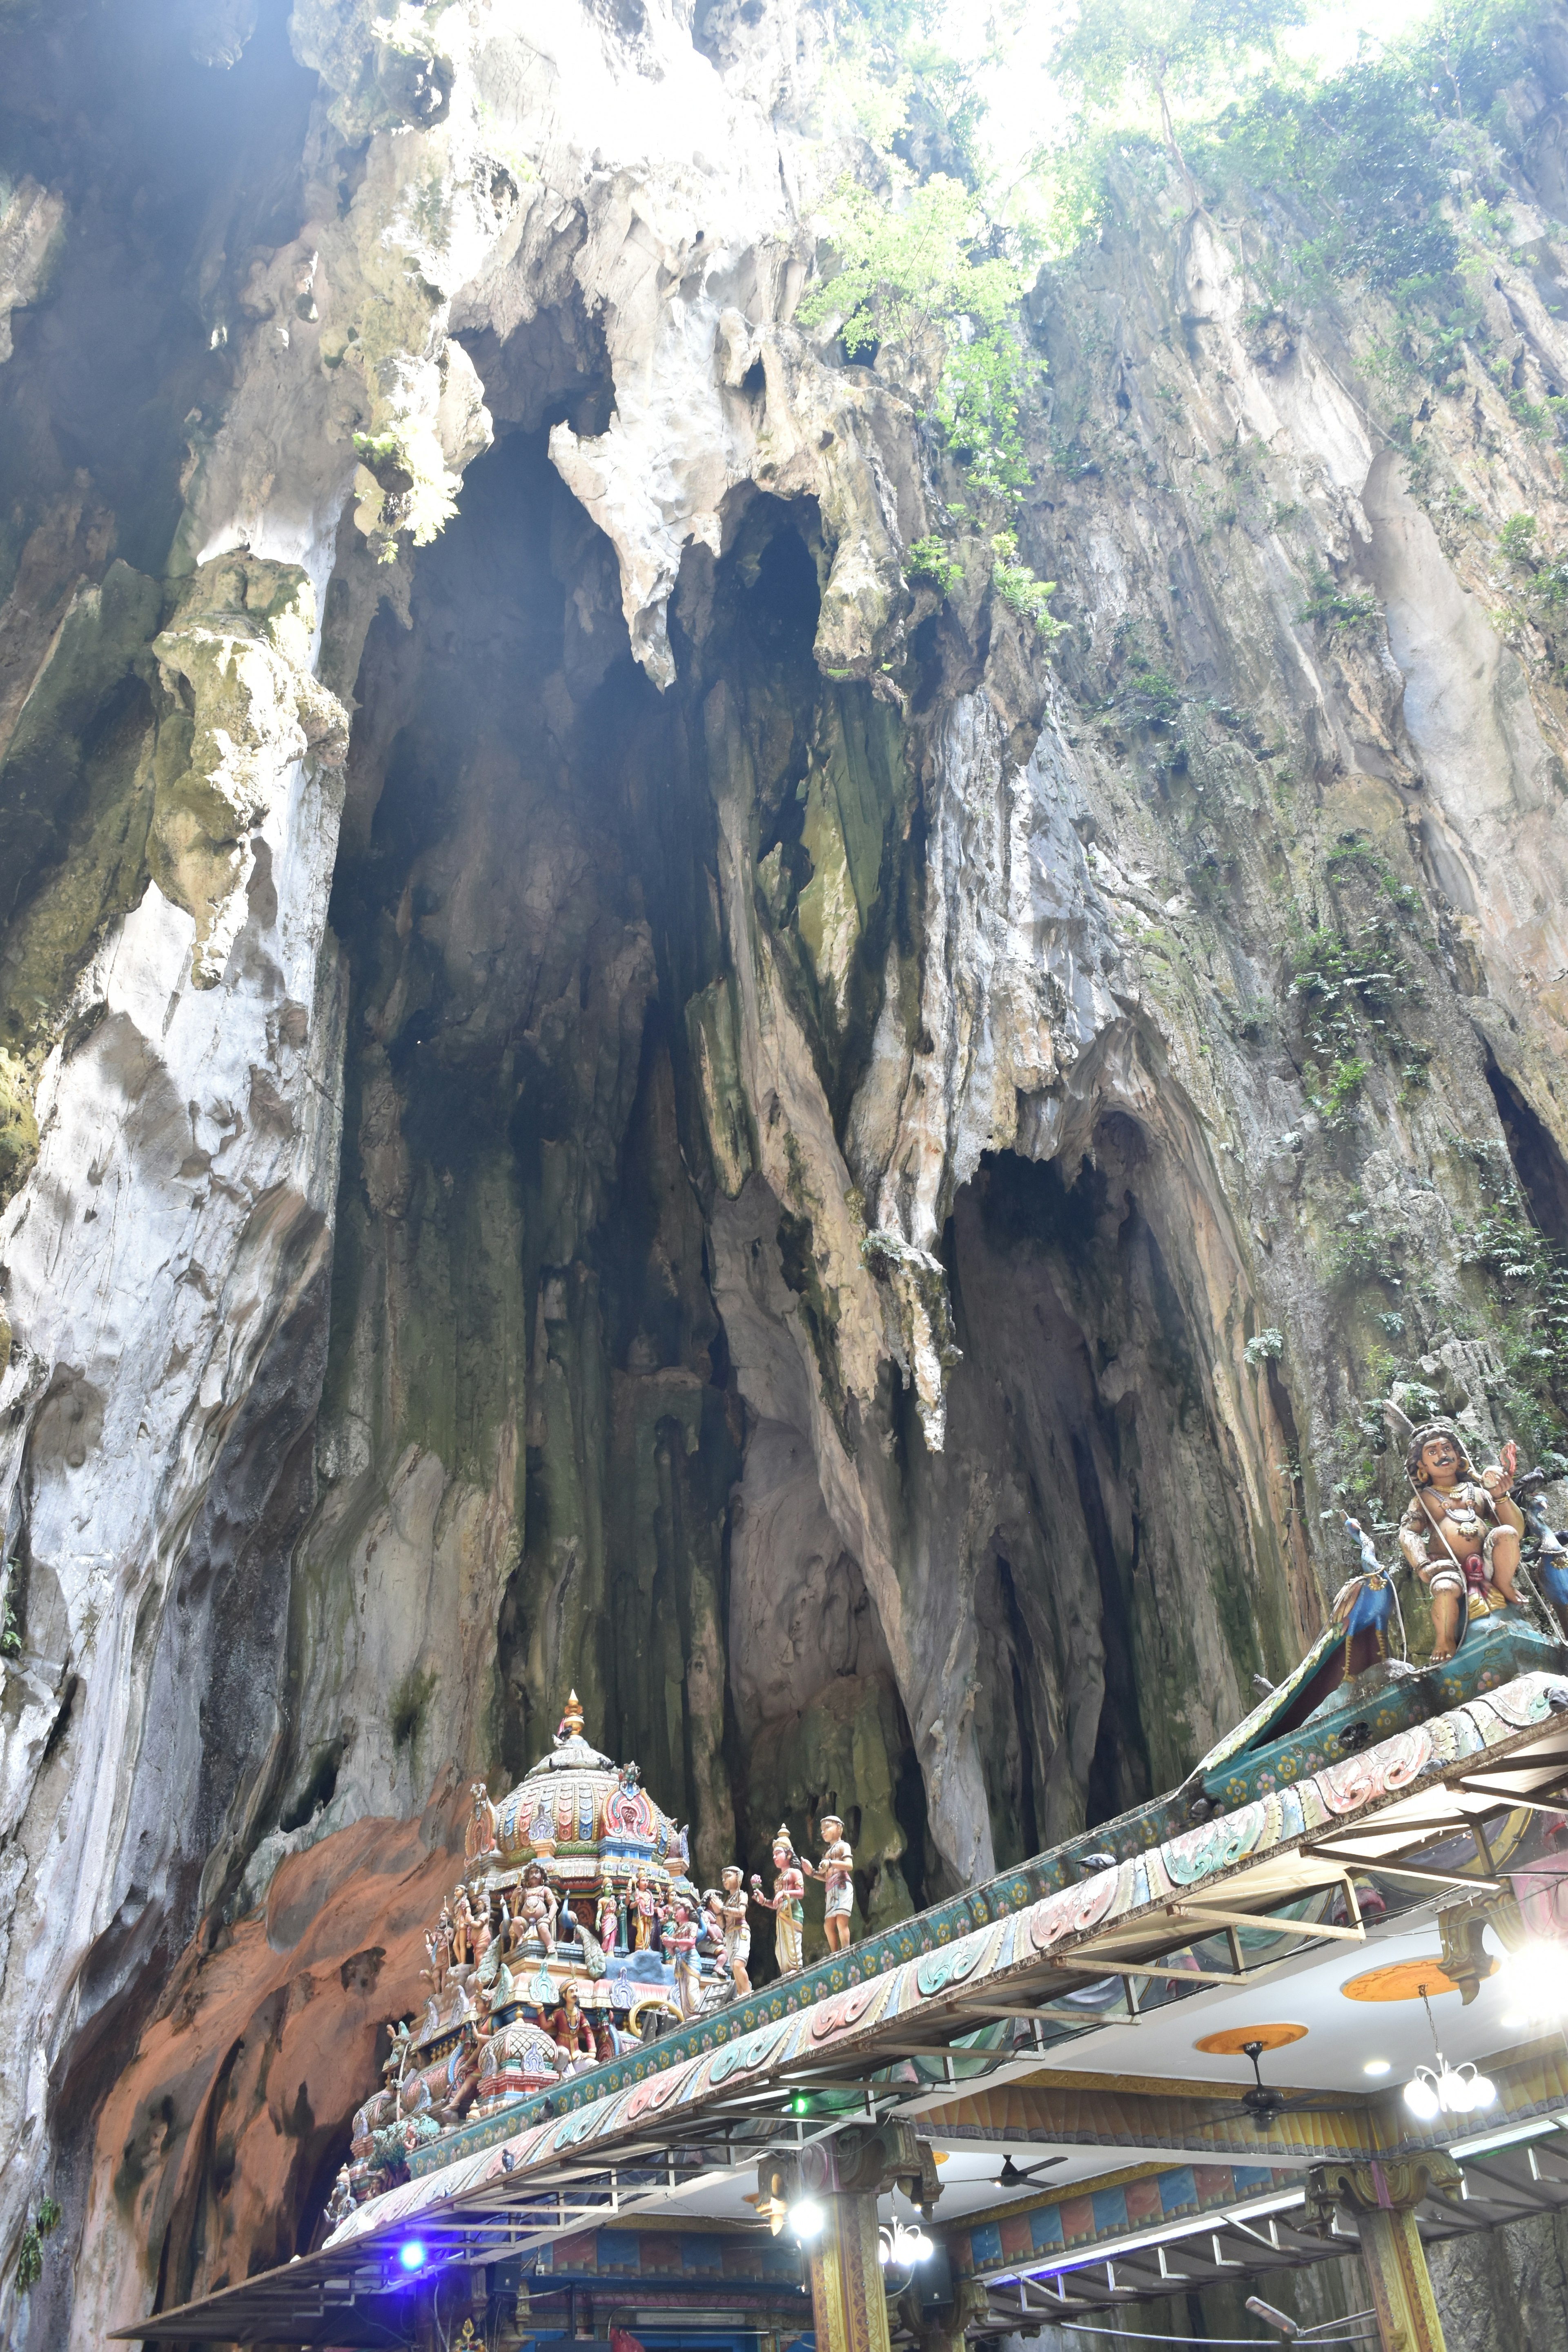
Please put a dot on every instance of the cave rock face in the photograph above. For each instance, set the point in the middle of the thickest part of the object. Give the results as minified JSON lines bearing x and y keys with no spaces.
{"x":598,"y":1088}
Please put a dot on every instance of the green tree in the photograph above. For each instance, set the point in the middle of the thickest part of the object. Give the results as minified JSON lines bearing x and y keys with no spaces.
{"x":908,"y":266}
{"x":1169,"y":48}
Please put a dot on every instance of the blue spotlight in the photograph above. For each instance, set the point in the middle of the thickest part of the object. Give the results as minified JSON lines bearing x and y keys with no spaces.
{"x":410,"y":2254}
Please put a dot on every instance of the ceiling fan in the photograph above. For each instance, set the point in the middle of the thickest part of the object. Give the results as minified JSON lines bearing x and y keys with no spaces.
{"x":1264,"y":2103}
{"x":1013,"y":2176}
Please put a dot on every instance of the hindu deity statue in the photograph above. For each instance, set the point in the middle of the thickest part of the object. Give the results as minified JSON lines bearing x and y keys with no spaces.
{"x":787,"y":1902}
{"x":606,"y":1918}
{"x":836,"y":1872}
{"x":479,"y":1838}
{"x":1460,"y":1531}
{"x":537,"y":1906}
{"x":439,"y":1942}
{"x":471,"y":1931}
{"x":573,"y":2034}
{"x":644,"y":1909}
{"x":736,"y":1927}
{"x":679,"y":1937}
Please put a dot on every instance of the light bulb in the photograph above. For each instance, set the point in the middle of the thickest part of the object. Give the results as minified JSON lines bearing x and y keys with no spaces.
{"x":806,"y":2218}
{"x":1535,"y":1980}
{"x":1455,"y":2092}
{"x":1483,"y":2091}
{"x":1421,"y":2099}
{"x":883,"y":2252}
{"x":1376,"y":2066}
{"x":920,"y":2246}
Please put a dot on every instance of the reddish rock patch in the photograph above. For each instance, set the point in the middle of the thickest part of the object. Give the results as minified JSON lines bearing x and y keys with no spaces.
{"x":218,"y":2142}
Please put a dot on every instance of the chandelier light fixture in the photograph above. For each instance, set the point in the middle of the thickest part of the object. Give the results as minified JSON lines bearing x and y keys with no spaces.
{"x":1445,"y":2090}
{"x":900,"y":2248}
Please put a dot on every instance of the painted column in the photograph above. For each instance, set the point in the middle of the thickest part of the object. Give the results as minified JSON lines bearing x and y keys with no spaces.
{"x":849,"y":2305}
{"x":1396,"y":2263}
{"x":845,"y":2173}
{"x":1384,"y":2198}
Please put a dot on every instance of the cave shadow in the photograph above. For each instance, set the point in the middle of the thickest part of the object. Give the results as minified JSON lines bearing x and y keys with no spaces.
{"x":1115,"y":1591}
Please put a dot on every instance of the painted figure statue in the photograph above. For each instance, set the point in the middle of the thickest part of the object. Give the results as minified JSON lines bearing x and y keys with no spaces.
{"x":439,"y":1942}
{"x":536,"y":1908}
{"x":472,"y":1931}
{"x":679,"y":1937}
{"x":571,"y":2033}
{"x":737,"y":1930}
{"x":1460,"y":1532}
{"x":836,"y":1872}
{"x":607,"y":1918}
{"x":480,"y":1835}
{"x":644,"y":1905}
{"x":787,"y":1902}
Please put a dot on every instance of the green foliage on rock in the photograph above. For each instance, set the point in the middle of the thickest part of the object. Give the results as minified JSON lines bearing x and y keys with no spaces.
{"x":929,"y":560}
{"x":1516,"y":540}
{"x":30,"y":2245}
{"x":922,"y":269}
{"x":1021,"y":588}
{"x":1335,"y":608}
{"x":910,"y":268}
{"x":18,"y":1124}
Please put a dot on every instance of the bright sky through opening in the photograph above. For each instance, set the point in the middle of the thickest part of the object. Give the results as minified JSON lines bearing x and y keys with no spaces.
{"x":1025,"y":108}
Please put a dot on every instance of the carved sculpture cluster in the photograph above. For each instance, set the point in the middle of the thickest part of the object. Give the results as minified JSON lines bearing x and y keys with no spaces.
{"x":574,"y":1933}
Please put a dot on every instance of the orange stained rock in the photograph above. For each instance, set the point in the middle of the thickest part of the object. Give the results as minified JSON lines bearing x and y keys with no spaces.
{"x":224,"y":2130}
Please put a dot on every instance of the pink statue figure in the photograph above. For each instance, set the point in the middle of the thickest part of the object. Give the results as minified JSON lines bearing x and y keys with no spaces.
{"x":836,"y":1871}
{"x":787,"y":1902}
{"x":1459,"y":1532}
{"x":607,"y":1919}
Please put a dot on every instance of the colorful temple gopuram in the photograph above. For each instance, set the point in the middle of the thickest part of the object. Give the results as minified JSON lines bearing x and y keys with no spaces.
{"x":548,"y":1958}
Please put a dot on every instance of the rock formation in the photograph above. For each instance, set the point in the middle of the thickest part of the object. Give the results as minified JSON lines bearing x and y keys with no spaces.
{"x":599,"y":1086}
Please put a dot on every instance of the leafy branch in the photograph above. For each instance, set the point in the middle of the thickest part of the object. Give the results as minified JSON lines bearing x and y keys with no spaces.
{"x":923,"y":273}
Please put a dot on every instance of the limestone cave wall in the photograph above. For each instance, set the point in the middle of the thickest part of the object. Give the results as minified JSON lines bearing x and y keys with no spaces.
{"x":599,"y":1087}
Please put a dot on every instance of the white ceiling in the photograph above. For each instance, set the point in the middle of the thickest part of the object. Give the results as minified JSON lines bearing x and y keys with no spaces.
{"x":1342,"y":2036}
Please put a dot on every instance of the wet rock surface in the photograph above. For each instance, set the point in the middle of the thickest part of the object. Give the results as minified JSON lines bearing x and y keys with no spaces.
{"x":598,"y":1089}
